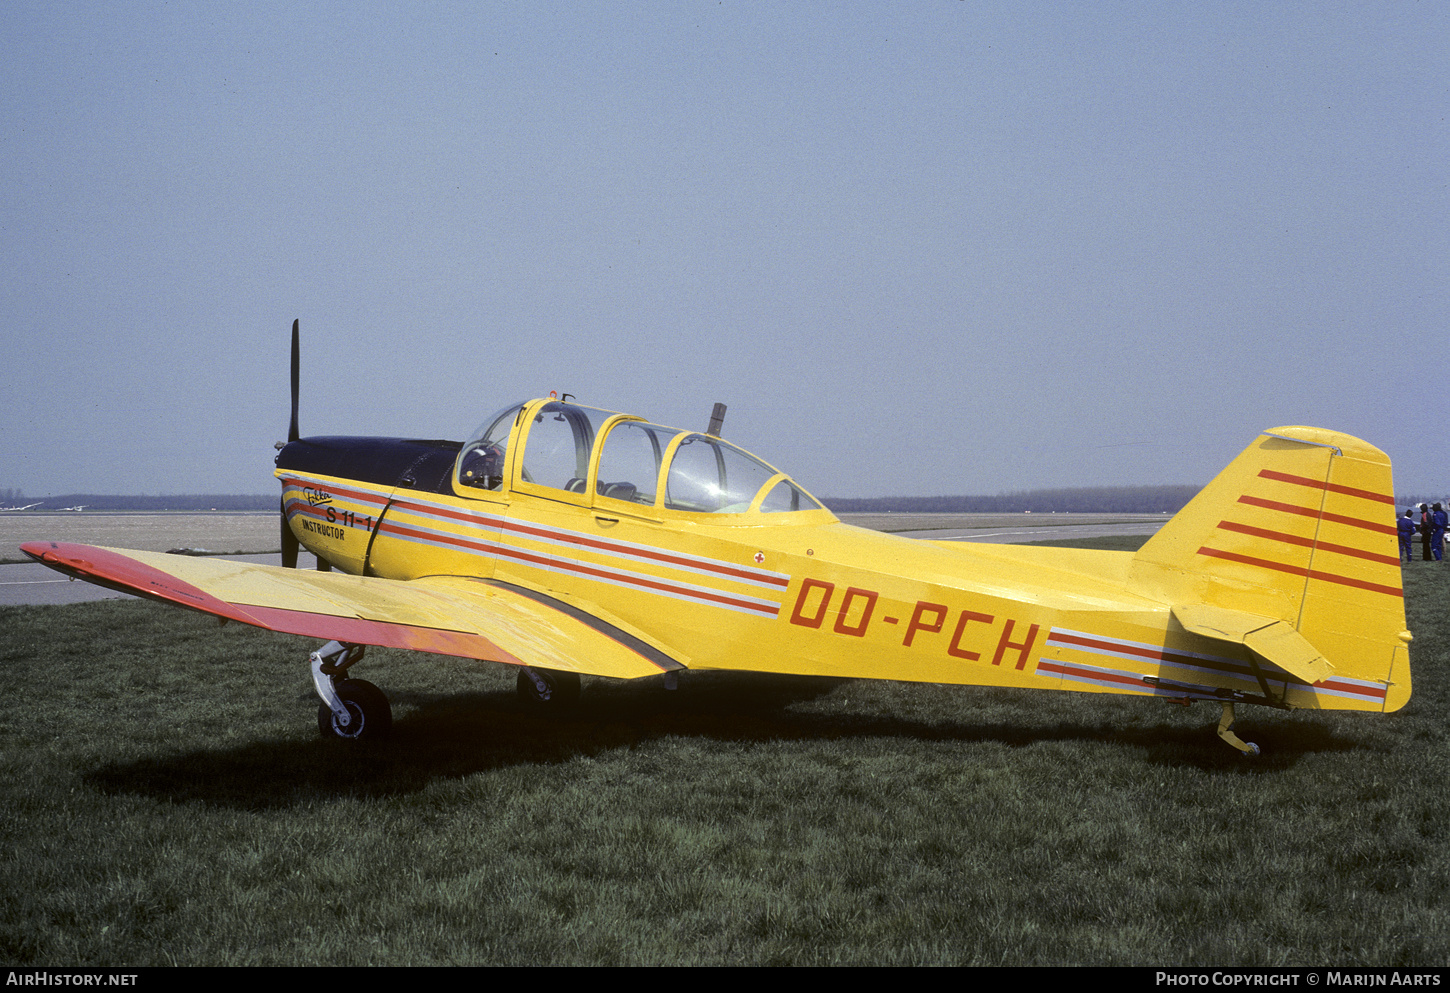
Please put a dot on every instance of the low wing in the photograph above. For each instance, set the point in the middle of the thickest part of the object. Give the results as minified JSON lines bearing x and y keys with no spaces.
{"x":447,"y":615}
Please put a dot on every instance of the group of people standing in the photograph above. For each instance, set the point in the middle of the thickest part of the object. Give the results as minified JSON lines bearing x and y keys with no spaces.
{"x":1431,"y":529}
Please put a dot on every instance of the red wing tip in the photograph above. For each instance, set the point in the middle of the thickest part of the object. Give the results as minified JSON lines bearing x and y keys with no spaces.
{"x":114,"y":569}
{"x":57,"y":553}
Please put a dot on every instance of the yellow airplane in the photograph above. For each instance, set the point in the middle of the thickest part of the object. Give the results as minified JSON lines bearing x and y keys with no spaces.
{"x":567,"y":540}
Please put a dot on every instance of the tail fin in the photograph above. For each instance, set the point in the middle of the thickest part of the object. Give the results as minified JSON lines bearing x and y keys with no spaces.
{"x":1292,"y":551}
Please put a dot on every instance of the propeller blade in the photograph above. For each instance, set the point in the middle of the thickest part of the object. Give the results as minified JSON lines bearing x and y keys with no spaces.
{"x":292,"y":432}
{"x":289,"y":542}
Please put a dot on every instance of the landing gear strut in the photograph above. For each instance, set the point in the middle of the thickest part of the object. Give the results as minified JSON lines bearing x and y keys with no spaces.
{"x":549,"y":690}
{"x":1225,"y":723}
{"x":351,"y":709}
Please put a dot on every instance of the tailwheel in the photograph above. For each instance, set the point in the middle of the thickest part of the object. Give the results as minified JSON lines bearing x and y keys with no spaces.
{"x":1225,"y":724}
{"x":548,"y":689}
{"x":369,"y":715}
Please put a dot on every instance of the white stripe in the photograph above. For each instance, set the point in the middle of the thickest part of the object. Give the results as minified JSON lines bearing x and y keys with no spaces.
{"x":1136,"y":644}
{"x":1159,"y":687}
{"x":1372,"y":690}
{"x":302,"y":481}
{"x":630,"y":580}
{"x":418,"y":506}
{"x":649,"y":554}
{"x":1079,"y":673}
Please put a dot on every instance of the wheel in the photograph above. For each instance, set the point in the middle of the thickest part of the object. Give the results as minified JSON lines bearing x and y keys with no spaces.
{"x":560,"y":691}
{"x":372,"y":715}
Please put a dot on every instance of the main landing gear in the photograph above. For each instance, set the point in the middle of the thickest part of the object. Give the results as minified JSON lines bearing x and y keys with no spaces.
{"x":355,"y":709}
{"x":548,"y":690}
{"x":351,"y":709}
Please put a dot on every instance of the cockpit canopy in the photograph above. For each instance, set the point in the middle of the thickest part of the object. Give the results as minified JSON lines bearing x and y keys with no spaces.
{"x":587,"y":456}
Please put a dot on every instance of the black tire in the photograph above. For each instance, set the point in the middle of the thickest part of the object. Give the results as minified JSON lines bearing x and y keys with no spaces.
{"x":561,"y":689}
{"x":372,"y":714}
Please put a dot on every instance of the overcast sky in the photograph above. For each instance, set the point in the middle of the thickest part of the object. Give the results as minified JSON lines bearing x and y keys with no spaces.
{"x":918,"y":248}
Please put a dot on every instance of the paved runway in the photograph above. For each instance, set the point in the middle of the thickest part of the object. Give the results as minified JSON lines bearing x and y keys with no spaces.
{"x":33,"y":584}
{"x":1013,"y":535}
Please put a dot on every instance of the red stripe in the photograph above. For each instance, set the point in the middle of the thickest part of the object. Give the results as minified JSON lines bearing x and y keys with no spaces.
{"x":771,"y":611}
{"x":1059,"y":637}
{"x":1108,"y":646}
{"x":296,"y":509}
{"x":1158,"y":688}
{"x":1327,"y":577}
{"x":1284,"y":477}
{"x":1096,"y":675}
{"x":572,"y":538}
{"x":333,"y":490}
{"x":1221,"y":666}
{"x":1294,"y":539}
{"x":601,"y":544}
{"x":553,"y":563}
{"x":1289,"y":508}
{"x":1372,"y":692}
{"x":403,"y":531}
{"x":724,"y":570}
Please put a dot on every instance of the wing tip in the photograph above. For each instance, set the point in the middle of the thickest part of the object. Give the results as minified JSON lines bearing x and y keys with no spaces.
{"x":115,"y":570}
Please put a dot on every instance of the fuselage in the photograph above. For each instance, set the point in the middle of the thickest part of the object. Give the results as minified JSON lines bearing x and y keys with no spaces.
{"x":717,"y":560}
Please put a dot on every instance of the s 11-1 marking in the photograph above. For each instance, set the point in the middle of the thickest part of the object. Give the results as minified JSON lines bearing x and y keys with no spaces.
{"x":348,"y":519}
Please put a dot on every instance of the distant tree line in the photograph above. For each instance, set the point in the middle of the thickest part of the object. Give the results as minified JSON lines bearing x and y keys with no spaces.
{"x":11,"y":496}
{"x":1077,"y":500}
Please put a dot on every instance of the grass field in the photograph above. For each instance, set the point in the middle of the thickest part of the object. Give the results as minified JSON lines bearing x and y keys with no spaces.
{"x":167,"y":799}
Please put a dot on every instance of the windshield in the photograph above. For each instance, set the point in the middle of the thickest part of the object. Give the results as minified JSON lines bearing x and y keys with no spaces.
{"x":496,"y":425}
{"x":481,"y":463}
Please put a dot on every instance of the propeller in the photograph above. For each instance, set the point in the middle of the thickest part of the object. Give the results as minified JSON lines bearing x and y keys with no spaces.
{"x":292,"y":433}
{"x":289,"y":540}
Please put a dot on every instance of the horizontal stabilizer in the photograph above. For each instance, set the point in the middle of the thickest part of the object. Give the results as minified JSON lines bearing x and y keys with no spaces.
{"x":1273,"y":640}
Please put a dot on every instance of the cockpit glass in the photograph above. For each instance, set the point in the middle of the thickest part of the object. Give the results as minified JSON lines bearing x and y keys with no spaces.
{"x":496,"y":426}
{"x":710,"y":476}
{"x":629,"y":464}
{"x":481,"y":463}
{"x":705,"y":475}
{"x":556,"y":453}
{"x":784,"y":497}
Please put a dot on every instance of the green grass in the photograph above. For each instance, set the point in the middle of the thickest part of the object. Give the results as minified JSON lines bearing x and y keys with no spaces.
{"x":167,"y":798}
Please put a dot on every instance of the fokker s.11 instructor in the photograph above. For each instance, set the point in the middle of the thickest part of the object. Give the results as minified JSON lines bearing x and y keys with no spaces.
{"x":567,"y":540}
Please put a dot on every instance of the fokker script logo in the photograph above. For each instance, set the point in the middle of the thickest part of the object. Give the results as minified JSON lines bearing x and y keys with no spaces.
{"x":317,"y":497}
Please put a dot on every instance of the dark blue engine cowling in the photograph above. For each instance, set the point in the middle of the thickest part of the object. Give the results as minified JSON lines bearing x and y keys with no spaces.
{"x":393,"y":462}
